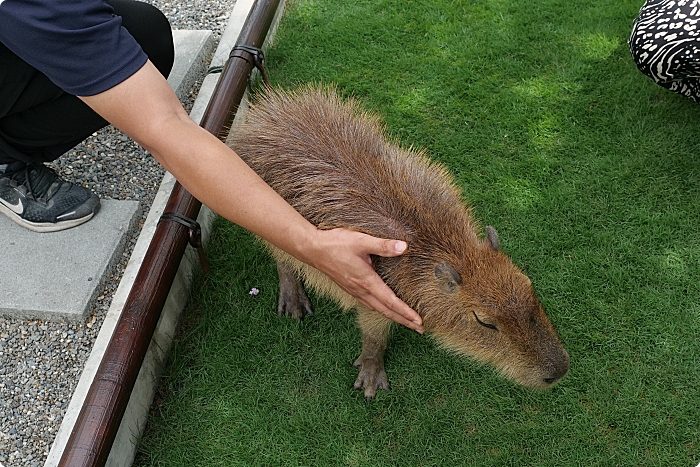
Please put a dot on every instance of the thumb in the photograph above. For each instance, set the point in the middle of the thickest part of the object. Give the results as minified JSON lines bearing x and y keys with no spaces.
{"x":388,"y":248}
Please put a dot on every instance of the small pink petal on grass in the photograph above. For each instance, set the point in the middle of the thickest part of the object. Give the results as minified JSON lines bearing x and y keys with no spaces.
{"x":254,"y":291}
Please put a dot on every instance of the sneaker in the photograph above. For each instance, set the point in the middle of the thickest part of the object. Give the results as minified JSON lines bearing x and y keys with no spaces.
{"x":35,"y":197}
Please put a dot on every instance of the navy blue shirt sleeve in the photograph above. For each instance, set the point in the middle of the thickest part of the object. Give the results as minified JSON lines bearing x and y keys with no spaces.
{"x":80,"y":45}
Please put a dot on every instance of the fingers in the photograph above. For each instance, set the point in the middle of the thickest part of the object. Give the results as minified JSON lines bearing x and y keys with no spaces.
{"x":385,"y":247}
{"x":351,"y":268}
{"x":381,"y":298}
{"x":406,"y":316}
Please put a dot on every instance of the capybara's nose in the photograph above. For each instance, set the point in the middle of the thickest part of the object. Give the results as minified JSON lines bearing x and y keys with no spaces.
{"x":559,"y":369}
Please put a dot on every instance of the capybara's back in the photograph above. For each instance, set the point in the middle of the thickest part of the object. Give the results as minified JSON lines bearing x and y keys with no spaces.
{"x":332,"y":162}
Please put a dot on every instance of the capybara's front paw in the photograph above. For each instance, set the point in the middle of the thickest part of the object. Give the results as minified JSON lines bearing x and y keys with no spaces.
{"x":372,"y":377}
{"x":292,"y":300}
{"x":294,"y":303}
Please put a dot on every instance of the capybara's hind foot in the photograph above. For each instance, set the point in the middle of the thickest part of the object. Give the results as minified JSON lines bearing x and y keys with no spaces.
{"x":372,"y":377}
{"x":292,"y":300}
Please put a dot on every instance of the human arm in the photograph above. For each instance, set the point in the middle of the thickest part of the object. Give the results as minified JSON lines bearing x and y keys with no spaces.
{"x":145,"y":108}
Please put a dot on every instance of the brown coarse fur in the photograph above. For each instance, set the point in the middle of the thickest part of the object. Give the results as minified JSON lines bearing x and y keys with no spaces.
{"x":333,"y":163}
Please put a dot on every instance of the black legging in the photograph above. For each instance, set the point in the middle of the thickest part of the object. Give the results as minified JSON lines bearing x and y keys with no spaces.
{"x":665,"y":45}
{"x":39,"y":121}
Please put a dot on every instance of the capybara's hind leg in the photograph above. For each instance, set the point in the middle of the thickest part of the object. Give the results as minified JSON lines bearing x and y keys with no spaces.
{"x":292,"y":300}
{"x":375,"y":331}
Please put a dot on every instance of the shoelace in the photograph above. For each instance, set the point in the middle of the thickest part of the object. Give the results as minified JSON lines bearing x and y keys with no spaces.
{"x":38,"y":180}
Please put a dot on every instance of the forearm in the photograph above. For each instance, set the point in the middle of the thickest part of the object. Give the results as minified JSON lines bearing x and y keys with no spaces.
{"x":203,"y":164}
{"x":217,"y":177}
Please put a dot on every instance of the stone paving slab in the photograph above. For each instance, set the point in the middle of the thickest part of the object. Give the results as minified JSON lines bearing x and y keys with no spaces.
{"x":58,"y":275}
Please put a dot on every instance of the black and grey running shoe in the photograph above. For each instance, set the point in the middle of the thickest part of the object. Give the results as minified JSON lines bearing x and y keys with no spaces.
{"x":35,"y":197}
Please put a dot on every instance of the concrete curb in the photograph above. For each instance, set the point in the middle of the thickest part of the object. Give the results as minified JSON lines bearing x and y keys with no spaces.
{"x":135,"y":417}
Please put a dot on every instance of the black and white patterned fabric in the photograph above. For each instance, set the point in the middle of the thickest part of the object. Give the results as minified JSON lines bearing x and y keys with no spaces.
{"x":665,"y":44}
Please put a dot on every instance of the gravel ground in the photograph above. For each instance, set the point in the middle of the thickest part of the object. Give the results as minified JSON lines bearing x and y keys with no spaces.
{"x":41,"y":361}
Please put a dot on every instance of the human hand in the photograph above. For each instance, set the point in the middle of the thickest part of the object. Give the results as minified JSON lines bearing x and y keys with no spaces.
{"x":344,"y":256}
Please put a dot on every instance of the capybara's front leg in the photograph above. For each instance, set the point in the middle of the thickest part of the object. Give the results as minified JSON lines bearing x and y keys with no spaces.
{"x":292,"y":300}
{"x":375,"y":331}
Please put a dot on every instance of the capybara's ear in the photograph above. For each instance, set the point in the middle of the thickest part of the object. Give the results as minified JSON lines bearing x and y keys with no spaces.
{"x":448,"y":279}
{"x":492,"y":238}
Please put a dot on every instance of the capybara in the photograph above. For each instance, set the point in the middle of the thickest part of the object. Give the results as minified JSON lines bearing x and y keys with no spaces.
{"x":333,"y":163}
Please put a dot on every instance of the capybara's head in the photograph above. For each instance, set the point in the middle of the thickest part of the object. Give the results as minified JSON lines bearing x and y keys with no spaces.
{"x":483,"y":306}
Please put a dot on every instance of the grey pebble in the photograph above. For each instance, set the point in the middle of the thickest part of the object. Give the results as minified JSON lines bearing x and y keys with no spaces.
{"x":41,"y":361}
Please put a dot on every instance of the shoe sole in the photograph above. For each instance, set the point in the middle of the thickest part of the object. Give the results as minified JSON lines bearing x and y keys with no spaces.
{"x":42,"y":227}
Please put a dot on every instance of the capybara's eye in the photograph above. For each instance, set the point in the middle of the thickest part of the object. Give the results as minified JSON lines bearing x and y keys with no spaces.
{"x":486,"y":325}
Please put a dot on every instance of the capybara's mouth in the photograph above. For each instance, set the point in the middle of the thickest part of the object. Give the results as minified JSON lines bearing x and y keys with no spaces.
{"x":550,"y":376}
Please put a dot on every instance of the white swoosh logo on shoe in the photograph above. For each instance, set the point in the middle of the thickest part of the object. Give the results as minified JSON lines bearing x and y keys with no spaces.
{"x":17,"y":208}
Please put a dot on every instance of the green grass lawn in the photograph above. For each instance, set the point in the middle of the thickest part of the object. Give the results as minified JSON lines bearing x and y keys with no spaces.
{"x":590,"y":173}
